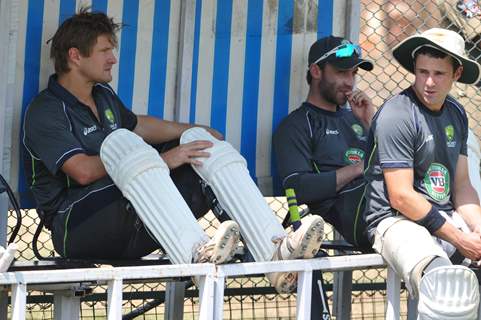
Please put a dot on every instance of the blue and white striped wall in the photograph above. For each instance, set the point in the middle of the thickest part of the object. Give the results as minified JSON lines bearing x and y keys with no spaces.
{"x":236,"y":65}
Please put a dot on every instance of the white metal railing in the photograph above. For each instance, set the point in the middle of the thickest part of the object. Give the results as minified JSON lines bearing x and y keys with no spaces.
{"x":212,"y":281}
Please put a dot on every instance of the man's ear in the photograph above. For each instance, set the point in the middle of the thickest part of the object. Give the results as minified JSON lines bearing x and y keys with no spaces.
{"x":316,"y":71}
{"x":74,"y":55}
{"x":458,"y":73}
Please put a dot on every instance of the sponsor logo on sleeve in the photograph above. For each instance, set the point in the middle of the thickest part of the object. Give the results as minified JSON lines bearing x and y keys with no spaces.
{"x":353,"y":155}
{"x":449,"y":131}
{"x":437,"y":182}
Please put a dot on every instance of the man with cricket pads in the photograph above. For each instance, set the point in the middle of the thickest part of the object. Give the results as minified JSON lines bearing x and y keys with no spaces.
{"x":422,"y":213}
{"x":107,"y":193}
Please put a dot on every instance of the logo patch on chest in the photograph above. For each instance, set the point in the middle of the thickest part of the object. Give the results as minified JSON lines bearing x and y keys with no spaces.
{"x":358,"y":130}
{"x":353,"y":156}
{"x":449,"y":131}
{"x":437,"y":182}
{"x":109,"y":115}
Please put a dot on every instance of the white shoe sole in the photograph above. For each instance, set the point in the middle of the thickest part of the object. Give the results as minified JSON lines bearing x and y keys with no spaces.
{"x":313,"y":228}
{"x":225,"y":248}
{"x":311,"y":240}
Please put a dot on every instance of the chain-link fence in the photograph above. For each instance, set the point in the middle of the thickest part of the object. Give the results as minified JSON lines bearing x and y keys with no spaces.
{"x":245,"y":298}
{"x":383,"y":24}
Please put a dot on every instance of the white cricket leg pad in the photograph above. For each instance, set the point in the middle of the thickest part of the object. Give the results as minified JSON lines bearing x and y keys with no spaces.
{"x":404,"y":245}
{"x":143,"y":177}
{"x":450,"y":292}
{"x":474,"y":158}
{"x":226,"y":172}
{"x":458,"y":222}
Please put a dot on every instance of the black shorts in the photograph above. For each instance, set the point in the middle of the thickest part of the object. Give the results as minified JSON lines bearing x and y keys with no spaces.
{"x":344,"y":213}
{"x":103,"y":224}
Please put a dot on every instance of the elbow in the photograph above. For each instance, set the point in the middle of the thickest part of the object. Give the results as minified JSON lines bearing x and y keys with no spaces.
{"x":84,"y":178}
{"x":399,"y":200}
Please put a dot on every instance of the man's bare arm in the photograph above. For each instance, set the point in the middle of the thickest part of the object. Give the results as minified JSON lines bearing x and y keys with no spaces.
{"x":84,"y":169}
{"x":466,"y":201}
{"x":414,"y":206}
{"x":154,"y":130}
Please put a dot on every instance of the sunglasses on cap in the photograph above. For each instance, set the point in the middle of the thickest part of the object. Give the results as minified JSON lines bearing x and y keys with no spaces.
{"x":343,"y":51}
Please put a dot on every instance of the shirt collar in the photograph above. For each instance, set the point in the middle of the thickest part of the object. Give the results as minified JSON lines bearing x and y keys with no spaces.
{"x":58,"y":90}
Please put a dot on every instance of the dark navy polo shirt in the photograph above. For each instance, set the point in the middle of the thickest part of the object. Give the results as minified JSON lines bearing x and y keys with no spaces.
{"x":310,"y":144}
{"x":57,"y":126}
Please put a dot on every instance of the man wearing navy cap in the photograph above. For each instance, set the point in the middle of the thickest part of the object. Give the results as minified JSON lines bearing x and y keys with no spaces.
{"x":320,"y":147}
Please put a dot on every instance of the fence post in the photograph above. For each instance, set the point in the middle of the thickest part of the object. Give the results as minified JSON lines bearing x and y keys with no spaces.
{"x":19,"y":301}
{"x":174,"y":300}
{"x":393,"y":295}
{"x":304,"y":291}
{"x":114,"y":299}
{"x":206,"y":296}
{"x":66,"y":306}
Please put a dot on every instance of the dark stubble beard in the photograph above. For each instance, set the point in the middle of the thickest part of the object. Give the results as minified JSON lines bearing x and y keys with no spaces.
{"x":329,"y":92}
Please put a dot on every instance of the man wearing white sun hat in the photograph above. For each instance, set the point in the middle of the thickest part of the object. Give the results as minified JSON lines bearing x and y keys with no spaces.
{"x":423,"y":214}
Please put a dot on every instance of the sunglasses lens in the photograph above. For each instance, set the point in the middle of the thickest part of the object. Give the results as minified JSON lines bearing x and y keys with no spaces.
{"x":348,"y":50}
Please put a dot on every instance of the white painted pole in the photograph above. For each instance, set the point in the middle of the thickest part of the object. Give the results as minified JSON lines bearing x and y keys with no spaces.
{"x":19,"y":301}
{"x":304,"y":292}
{"x":114,"y":302}
{"x":393,"y":295}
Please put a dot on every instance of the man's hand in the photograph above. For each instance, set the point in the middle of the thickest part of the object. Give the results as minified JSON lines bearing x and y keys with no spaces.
{"x":187,"y":153}
{"x":470,"y":245}
{"x":361,"y":106}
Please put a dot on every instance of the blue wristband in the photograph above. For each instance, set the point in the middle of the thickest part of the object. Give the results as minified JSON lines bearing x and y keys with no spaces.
{"x":432,"y":221}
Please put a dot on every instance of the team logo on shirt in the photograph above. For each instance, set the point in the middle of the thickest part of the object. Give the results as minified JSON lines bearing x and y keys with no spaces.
{"x":449,"y":131}
{"x":109,"y":115}
{"x":437,"y":182}
{"x":358,"y":130}
{"x":353,"y":155}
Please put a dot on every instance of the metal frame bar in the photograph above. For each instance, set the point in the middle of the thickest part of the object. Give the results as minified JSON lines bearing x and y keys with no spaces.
{"x":210,"y":277}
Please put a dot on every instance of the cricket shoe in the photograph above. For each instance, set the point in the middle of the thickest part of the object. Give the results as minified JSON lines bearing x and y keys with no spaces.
{"x":304,"y":243}
{"x":221,"y":247}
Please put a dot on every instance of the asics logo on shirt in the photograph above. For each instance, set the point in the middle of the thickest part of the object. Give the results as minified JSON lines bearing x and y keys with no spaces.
{"x":329,"y":131}
{"x":90,"y":130}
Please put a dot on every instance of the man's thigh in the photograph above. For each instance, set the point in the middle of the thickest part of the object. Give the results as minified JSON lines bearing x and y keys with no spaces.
{"x":406,"y":245}
{"x":102,"y":225}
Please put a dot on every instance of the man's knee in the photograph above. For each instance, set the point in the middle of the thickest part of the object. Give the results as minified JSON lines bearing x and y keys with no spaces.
{"x":407,"y":247}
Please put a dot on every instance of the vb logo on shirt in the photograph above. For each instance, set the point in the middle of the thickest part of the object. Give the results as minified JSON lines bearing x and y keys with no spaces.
{"x":437,"y":181}
{"x":353,"y":155}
